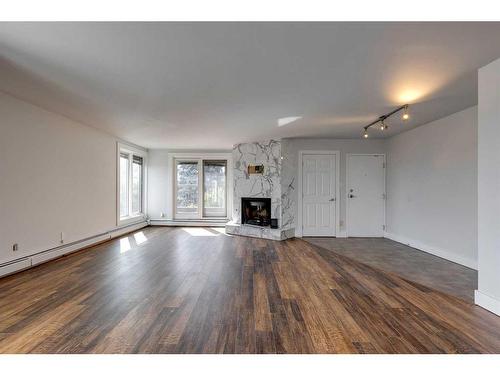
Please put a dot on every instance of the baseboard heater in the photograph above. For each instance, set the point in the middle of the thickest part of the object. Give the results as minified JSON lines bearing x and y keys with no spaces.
{"x":44,"y":256}
{"x":60,"y":251}
{"x":15,"y":266}
{"x":189,"y":223}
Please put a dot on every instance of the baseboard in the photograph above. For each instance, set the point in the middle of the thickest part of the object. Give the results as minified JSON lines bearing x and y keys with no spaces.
{"x":442,"y":253}
{"x":16,"y":266}
{"x":57,"y":252}
{"x":341,"y":234}
{"x":189,"y":223}
{"x":486,"y":301}
{"x":127,"y":229}
{"x":64,"y":250}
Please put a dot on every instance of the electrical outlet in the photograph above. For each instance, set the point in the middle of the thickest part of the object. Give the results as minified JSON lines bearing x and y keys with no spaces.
{"x":15,"y":247}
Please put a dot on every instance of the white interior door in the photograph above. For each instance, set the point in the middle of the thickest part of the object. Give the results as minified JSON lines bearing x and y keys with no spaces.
{"x":318,"y":195}
{"x":365,"y":195}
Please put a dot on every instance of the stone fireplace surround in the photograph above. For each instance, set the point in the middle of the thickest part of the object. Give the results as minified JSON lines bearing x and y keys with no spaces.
{"x":269,"y":184}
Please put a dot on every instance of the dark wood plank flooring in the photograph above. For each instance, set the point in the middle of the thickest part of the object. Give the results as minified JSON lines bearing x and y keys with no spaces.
{"x":195,"y":290}
{"x":410,"y":263}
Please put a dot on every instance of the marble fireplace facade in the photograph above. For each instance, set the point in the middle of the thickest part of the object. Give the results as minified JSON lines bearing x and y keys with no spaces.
{"x":268,"y":184}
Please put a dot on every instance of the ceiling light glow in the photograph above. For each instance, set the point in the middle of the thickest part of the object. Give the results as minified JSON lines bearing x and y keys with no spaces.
{"x":409,"y":96}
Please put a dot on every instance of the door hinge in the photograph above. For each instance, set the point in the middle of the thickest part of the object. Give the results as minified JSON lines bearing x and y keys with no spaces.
{"x":384,"y":197}
{"x":383,"y":227}
{"x":383,"y":165}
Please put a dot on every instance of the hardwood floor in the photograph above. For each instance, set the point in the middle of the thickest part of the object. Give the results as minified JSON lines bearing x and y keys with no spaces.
{"x":412,"y":264}
{"x":195,"y":290}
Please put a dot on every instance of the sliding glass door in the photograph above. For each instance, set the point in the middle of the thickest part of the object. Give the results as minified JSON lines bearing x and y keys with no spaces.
{"x":187,"y":189}
{"x":214,"y":188}
{"x":200,"y":188}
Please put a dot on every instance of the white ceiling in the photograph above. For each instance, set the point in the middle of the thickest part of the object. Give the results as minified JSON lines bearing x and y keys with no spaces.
{"x":211,"y":85}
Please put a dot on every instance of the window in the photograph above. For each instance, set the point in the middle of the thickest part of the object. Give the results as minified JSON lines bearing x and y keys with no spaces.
{"x":131,"y":183}
{"x":136,"y":184}
{"x":124,"y":168}
{"x":200,"y":188}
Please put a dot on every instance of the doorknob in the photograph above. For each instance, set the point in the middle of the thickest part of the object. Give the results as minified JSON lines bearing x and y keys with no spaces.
{"x":332,"y":200}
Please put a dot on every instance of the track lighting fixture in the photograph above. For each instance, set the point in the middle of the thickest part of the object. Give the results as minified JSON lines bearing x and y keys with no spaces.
{"x":381,"y":119}
{"x":406,"y":115}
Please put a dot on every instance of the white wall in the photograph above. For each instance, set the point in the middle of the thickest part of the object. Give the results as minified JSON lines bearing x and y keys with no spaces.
{"x":431,"y":187}
{"x":488,"y":293}
{"x":160,"y":185}
{"x":290,"y":151}
{"x":56,"y":175}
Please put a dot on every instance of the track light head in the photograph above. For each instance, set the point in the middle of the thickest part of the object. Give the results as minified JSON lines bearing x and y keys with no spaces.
{"x":406,"y":115}
{"x":365,"y":134}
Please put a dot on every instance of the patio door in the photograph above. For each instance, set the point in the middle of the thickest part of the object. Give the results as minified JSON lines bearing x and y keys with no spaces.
{"x":200,"y":188}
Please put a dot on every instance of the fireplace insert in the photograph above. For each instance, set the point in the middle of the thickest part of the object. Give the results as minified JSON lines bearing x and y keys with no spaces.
{"x":256,"y":211}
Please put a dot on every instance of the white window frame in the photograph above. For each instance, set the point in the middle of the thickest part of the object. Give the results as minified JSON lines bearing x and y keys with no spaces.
{"x":132,"y":151}
{"x":199,"y":158}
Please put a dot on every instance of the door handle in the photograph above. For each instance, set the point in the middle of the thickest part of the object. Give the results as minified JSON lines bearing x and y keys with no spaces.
{"x":332,"y":200}
{"x":352,"y":196}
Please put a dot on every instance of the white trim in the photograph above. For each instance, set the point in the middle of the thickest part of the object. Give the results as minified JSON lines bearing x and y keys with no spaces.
{"x":442,"y":253}
{"x":298,"y":230}
{"x":189,"y":223}
{"x":348,"y":155}
{"x":16,"y":266}
{"x":127,"y":229}
{"x":60,"y":251}
{"x":228,"y":156}
{"x":132,"y":150}
{"x":486,"y":301}
{"x":57,"y":252}
{"x":198,"y":155}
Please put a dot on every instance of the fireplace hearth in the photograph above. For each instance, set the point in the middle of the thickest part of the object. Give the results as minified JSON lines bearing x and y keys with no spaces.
{"x":256,"y":211}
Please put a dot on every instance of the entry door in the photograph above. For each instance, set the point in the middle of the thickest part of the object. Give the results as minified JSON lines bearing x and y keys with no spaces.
{"x":318,"y":199}
{"x":365,"y":195}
